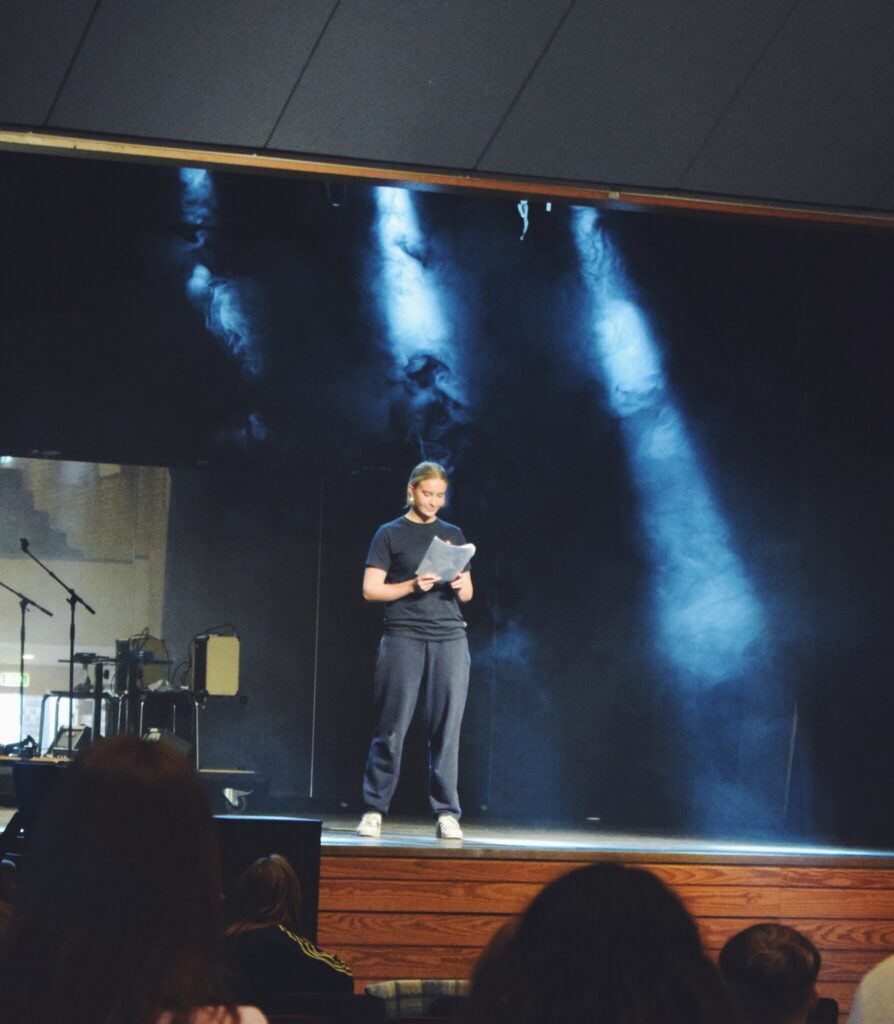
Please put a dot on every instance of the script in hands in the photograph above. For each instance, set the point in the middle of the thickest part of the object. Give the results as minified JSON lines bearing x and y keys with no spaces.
{"x":445,"y":560}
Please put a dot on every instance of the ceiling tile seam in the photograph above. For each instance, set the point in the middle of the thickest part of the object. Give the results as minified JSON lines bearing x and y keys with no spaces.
{"x":86,"y":31}
{"x":735,"y":94}
{"x":524,"y":84}
{"x":294,"y":88}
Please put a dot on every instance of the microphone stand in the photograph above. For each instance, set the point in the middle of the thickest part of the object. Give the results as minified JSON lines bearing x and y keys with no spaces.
{"x":74,"y":599}
{"x":23,"y":604}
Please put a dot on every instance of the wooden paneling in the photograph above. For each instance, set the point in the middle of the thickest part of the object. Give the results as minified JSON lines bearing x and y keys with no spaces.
{"x":410,"y":961}
{"x":854,"y":935}
{"x":429,"y":897}
{"x":702,"y":900}
{"x":408,"y":929}
{"x":410,"y":916}
{"x":542,"y":871}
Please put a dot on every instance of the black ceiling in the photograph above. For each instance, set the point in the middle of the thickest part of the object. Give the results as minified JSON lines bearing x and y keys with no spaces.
{"x":782,"y":100}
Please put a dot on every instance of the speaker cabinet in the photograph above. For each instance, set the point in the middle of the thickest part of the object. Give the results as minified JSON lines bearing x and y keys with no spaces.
{"x":80,"y":740}
{"x":217,"y":665}
{"x":243,"y":840}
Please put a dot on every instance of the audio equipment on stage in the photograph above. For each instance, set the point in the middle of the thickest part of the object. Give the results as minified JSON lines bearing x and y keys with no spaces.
{"x":217,"y":665}
{"x":243,"y":840}
{"x":80,"y":740}
{"x":9,"y":759}
{"x":33,"y":781}
{"x":23,"y":749}
{"x":171,"y":739}
{"x":141,"y":662}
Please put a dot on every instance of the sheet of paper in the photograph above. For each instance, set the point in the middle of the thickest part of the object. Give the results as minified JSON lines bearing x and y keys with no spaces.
{"x":445,"y":560}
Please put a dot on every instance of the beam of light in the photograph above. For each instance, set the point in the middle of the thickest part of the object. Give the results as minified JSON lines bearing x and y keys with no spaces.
{"x":419,"y":334}
{"x":523,"y":213}
{"x":220,"y":300}
{"x":197,"y":202}
{"x":416,"y":322}
{"x":710,"y":622}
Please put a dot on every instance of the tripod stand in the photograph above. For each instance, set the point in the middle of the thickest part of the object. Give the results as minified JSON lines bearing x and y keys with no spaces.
{"x":74,"y":599}
{"x":24,"y":604}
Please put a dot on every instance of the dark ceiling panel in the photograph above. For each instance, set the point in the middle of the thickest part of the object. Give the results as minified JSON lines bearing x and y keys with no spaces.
{"x":213,"y":71}
{"x":885,"y":198}
{"x":418,"y":83}
{"x":629,"y":91}
{"x":814,"y":122}
{"x":37,"y":41}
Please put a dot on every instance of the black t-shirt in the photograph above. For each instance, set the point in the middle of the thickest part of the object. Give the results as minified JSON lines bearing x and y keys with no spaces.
{"x":398,"y":548}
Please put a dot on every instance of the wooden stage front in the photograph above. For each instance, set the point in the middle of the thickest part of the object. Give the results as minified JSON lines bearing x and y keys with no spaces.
{"x":410,"y":906}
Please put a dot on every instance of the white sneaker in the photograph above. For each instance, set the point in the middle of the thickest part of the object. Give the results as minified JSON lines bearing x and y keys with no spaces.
{"x":448,"y":827}
{"x":370,"y":825}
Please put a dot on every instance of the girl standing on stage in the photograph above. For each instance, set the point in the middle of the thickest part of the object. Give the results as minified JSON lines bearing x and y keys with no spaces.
{"x":424,"y":641}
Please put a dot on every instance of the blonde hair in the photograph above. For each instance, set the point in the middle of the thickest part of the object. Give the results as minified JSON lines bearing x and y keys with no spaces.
{"x":424,"y":471}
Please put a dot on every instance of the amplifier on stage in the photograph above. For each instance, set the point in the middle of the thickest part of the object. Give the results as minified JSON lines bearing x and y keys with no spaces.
{"x":217,"y":665}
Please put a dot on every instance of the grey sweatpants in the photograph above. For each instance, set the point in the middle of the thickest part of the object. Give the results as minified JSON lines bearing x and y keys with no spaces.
{"x":403,"y":664}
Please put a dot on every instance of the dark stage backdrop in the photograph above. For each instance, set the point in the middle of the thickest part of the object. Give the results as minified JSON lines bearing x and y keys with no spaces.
{"x":290,"y":350}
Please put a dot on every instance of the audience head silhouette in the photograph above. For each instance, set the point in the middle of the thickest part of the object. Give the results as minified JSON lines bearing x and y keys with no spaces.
{"x":770,"y":971}
{"x":604,"y":943}
{"x":267,"y":892}
{"x":119,"y":913}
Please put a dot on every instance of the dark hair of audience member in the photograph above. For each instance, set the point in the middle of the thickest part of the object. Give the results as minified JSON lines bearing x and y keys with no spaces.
{"x":268,"y":892}
{"x":770,"y":971}
{"x":604,"y":943}
{"x":119,"y":916}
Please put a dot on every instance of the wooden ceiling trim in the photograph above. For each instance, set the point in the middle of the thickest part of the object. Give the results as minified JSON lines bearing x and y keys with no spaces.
{"x":515,"y":187}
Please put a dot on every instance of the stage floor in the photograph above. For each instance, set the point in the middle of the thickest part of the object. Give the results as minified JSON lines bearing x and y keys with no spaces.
{"x":415,"y":836}
{"x":508,"y":840}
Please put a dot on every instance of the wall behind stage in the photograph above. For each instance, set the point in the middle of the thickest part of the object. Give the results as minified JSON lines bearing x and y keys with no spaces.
{"x":242,"y":332}
{"x":103,"y":530}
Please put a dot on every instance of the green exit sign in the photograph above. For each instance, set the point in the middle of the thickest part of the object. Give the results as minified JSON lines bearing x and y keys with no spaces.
{"x":12,"y":679}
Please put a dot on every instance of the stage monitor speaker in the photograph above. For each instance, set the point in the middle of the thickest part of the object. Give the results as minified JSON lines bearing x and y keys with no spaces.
{"x":80,"y":740}
{"x":244,"y":840}
{"x":217,"y":665}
